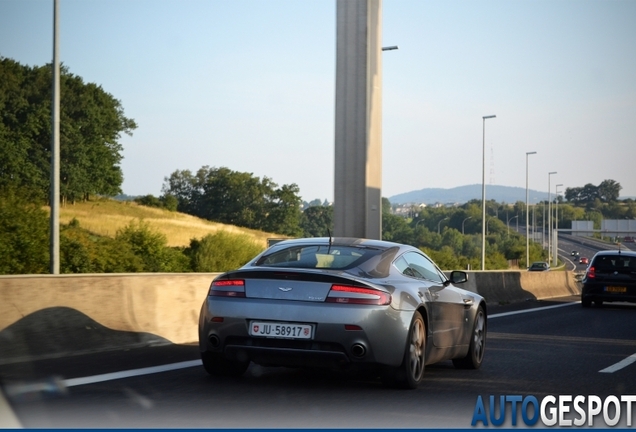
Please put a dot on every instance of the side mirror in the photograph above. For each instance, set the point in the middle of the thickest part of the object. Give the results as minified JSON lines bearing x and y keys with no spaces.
{"x":457,"y":277}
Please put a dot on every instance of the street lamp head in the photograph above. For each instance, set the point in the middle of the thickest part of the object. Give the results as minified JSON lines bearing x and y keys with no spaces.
{"x":389,"y":48}
{"x":490,"y":116}
{"x":553,"y":172}
{"x":529,"y":153}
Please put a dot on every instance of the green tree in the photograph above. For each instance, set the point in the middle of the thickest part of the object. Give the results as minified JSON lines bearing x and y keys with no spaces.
{"x":609,"y":191}
{"x":317,"y":221}
{"x":445,"y":257}
{"x":236,"y":198}
{"x":284,"y":214}
{"x":396,"y":229}
{"x":91,"y":124}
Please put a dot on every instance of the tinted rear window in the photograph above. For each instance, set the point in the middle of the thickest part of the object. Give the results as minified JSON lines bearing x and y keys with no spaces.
{"x":319,"y":257}
{"x":611,"y":263}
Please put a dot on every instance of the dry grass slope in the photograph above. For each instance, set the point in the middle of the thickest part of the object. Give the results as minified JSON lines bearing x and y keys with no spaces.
{"x":106,"y":216}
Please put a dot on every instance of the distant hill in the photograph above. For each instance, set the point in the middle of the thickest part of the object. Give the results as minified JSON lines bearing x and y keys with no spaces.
{"x":463,"y":194}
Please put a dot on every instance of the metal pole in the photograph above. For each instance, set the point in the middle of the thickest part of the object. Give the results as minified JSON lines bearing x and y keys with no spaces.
{"x":543,"y":224}
{"x":550,"y":218}
{"x":469,"y":217}
{"x":54,"y":195}
{"x":483,"y":194}
{"x":438,"y":224}
{"x":508,"y":222}
{"x":556,"y":226}
{"x":527,"y":215}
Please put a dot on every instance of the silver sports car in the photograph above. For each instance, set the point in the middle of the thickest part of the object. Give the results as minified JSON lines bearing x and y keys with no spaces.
{"x":342,"y":303}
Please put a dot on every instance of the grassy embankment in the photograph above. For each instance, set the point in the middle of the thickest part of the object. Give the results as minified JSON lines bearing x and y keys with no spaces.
{"x":105,"y":217}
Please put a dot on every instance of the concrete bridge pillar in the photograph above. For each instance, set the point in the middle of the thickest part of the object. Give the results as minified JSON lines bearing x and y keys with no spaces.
{"x":358,"y":135}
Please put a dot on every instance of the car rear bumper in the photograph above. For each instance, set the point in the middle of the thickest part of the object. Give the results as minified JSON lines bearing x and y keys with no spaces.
{"x":593,"y":292}
{"x":380,"y":339}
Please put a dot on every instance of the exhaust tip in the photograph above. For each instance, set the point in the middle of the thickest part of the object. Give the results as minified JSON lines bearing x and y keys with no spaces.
{"x":358,"y":350}
{"x":214,"y":340}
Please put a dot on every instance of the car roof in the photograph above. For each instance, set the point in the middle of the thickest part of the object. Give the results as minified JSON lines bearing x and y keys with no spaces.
{"x":628,"y":253}
{"x":340,"y":241}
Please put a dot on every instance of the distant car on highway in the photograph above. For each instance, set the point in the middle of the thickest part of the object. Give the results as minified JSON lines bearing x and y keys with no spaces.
{"x":539,"y":266}
{"x":575,"y":255}
{"x":342,"y":303}
{"x":584,"y":261}
{"x":610,"y":277}
{"x":628,"y":239}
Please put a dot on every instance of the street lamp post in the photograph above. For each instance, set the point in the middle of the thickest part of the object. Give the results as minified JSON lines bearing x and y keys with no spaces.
{"x":527,"y":214}
{"x":508,"y":222}
{"x":488,"y":225}
{"x":543,"y":245}
{"x":469,"y":217}
{"x":483,"y":194}
{"x":556,"y":225}
{"x":438,"y":224}
{"x":550,"y":218}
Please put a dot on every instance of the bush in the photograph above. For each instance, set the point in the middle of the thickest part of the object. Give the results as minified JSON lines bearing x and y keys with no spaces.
{"x":149,"y":201}
{"x":24,"y":234}
{"x":221,"y":252}
{"x":83,"y":252}
{"x":151,"y":247}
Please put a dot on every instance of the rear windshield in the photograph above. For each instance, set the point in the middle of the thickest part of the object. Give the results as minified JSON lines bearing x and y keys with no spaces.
{"x":312,"y":256}
{"x":611,"y":263}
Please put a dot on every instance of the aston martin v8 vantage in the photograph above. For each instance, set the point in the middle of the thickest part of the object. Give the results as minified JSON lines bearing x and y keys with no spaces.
{"x":342,"y":303}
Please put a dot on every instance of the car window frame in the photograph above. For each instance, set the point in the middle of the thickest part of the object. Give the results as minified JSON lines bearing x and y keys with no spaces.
{"x":408,"y":258}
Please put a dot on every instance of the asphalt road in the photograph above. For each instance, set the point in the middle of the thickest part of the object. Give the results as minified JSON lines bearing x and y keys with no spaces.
{"x":531,"y":350}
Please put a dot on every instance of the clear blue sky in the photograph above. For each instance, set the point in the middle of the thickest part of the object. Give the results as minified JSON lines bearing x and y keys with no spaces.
{"x":250,"y":85}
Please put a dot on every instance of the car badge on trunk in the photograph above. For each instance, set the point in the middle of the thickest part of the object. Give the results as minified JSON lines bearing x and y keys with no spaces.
{"x":284,"y":289}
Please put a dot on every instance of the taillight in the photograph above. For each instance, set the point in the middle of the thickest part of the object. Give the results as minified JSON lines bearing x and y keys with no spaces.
{"x":591,"y":273}
{"x":228,"y":288}
{"x":355,"y":295}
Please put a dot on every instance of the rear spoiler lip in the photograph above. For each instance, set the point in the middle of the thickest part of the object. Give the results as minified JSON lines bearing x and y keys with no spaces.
{"x":305,"y":275}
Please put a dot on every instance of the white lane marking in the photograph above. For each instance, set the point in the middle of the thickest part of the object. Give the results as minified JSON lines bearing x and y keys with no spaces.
{"x":71,"y":382}
{"x":620,"y":365}
{"x":503,"y":314}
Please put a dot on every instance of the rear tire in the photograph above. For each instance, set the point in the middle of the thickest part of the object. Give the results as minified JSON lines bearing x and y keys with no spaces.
{"x":218,"y":365}
{"x":477,"y":345}
{"x":410,"y":373}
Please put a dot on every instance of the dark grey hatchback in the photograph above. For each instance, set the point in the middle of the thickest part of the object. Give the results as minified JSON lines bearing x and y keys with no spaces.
{"x":610,"y":277}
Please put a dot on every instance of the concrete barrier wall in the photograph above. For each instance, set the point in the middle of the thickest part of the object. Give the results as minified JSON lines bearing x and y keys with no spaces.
{"x":52,"y":315}
{"x":47,"y":316}
{"x":500,"y":287}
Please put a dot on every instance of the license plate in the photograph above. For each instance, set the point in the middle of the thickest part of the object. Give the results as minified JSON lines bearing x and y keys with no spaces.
{"x":615,"y":289}
{"x":281,"y":330}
